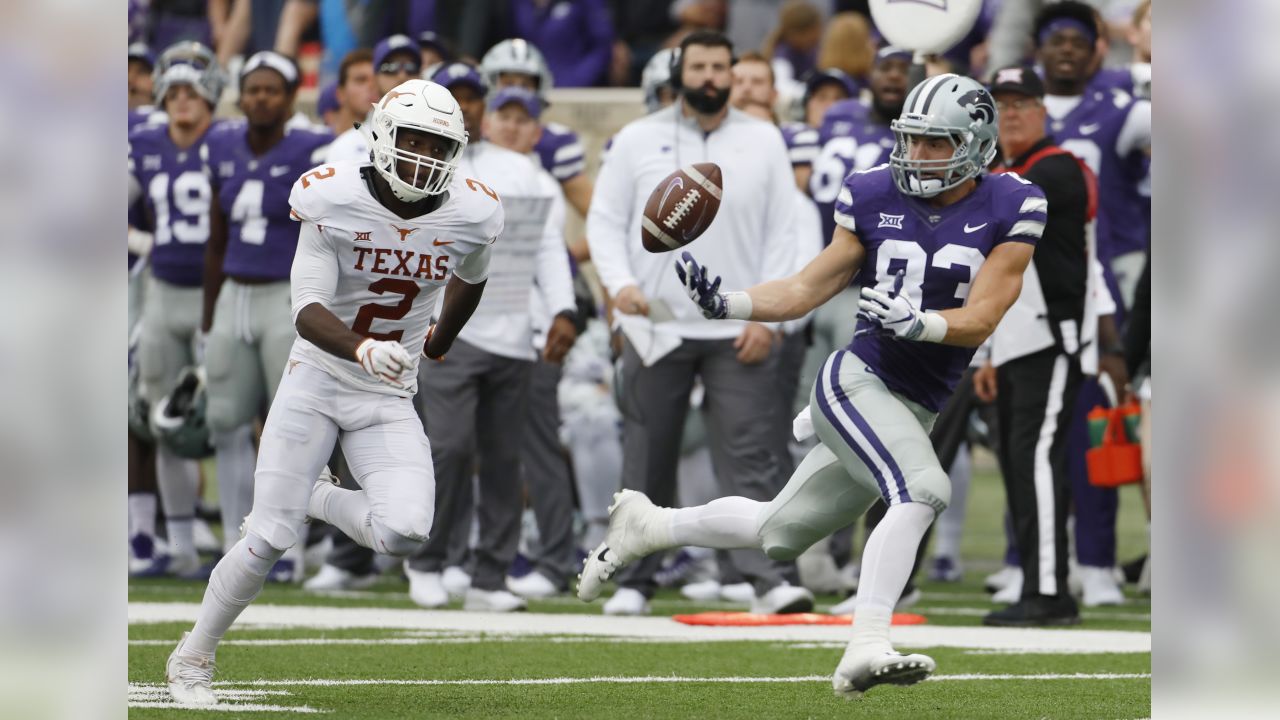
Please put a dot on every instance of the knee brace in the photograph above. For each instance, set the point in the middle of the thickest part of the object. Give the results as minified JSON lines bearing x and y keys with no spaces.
{"x":401,"y":535}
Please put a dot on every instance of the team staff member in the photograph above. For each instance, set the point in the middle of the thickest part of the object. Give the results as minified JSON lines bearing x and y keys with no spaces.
{"x":753,"y":236}
{"x":1036,"y":351}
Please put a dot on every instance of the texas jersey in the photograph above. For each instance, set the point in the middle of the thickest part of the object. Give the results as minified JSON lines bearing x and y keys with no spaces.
{"x":849,"y":140}
{"x":176,"y":195}
{"x":560,"y":152}
{"x":1107,"y":130}
{"x":253,"y":192}
{"x":389,"y":270}
{"x":939,"y":252}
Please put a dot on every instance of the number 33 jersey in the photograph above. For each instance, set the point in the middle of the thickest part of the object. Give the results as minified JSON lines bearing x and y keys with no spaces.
{"x":939,"y":251}
{"x":377,"y":272}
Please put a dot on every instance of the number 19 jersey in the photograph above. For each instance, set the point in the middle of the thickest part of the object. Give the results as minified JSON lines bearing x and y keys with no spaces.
{"x":939,"y":251}
{"x":389,"y":269}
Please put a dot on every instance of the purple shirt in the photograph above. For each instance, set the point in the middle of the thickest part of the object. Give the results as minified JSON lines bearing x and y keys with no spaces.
{"x":802,"y":142}
{"x":575,"y":36}
{"x":253,"y":192}
{"x":560,"y":152}
{"x":940,"y":251}
{"x":848,"y":140}
{"x":176,"y":198}
{"x":1091,"y":131}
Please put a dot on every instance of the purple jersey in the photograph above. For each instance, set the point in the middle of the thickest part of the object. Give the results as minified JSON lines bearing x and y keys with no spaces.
{"x":1112,"y":78}
{"x":1092,"y":132}
{"x":939,"y":251}
{"x":560,"y":152}
{"x":176,"y":196}
{"x":253,"y":192}
{"x":802,"y":142}
{"x":849,"y":140}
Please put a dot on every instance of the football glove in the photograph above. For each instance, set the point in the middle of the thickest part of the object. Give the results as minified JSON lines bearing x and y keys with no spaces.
{"x":706,"y":294}
{"x":893,"y":313}
{"x":385,"y":360}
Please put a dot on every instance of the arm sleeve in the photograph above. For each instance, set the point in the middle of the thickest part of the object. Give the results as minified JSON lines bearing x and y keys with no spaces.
{"x":314,"y":276}
{"x":1031,"y":216}
{"x":610,"y":217}
{"x":552,"y":275}
{"x":474,"y":268}
{"x":1135,"y":134}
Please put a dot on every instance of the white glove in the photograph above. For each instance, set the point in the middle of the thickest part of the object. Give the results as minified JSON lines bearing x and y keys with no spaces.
{"x":802,"y":426}
{"x":140,"y":242}
{"x":385,"y":360}
{"x":895,"y":314}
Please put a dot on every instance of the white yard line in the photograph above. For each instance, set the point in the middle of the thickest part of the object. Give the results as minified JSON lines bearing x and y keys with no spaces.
{"x":647,"y":679}
{"x":652,"y":628}
{"x":223,"y":707}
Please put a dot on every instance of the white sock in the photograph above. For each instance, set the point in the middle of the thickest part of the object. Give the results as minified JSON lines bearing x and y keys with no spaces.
{"x":886,"y":566}
{"x":178,"y":479}
{"x":951,"y":522}
{"x":235,"y":582}
{"x":347,"y":510}
{"x":142,"y":514}
{"x":236,"y":460}
{"x":728,"y":524}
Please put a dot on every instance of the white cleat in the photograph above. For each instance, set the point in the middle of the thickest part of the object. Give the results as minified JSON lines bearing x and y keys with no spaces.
{"x":493,"y":601}
{"x":1100,"y":587}
{"x":1000,"y":579}
{"x":426,"y":589}
{"x":702,"y":591}
{"x":331,"y":577}
{"x":456,"y":582}
{"x":1011,"y":592}
{"x":190,"y":678}
{"x":627,"y":601}
{"x":533,"y":586}
{"x":742,"y":593}
{"x":782,"y":600}
{"x":860,"y":670}
{"x":637,"y":527}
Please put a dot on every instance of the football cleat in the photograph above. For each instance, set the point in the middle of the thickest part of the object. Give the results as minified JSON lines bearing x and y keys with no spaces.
{"x":637,"y":527}
{"x":862,"y":669}
{"x":425,"y":588}
{"x":782,"y":600}
{"x":533,"y":585}
{"x":456,"y":582}
{"x":493,"y":601}
{"x":332,"y":577}
{"x":190,"y":678}
{"x":627,"y":601}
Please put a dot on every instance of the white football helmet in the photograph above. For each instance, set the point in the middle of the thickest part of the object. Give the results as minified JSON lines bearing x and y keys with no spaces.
{"x":416,"y":105}
{"x":516,"y":56}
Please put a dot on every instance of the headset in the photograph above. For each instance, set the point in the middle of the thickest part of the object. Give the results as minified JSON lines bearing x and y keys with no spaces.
{"x":702,"y":37}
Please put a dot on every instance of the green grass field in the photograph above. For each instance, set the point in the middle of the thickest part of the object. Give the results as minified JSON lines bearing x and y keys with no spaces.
{"x":371,"y":654}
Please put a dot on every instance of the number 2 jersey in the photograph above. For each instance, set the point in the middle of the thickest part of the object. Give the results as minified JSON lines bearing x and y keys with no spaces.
{"x":378,"y":273}
{"x":940,"y":251}
{"x":253,"y":192}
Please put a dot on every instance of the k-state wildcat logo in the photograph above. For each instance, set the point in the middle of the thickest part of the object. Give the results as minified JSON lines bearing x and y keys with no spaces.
{"x":979,"y":105}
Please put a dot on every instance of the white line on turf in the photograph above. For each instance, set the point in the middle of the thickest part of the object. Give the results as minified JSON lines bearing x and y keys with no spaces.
{"x":533,"y":624}
{"x":622,"y":679}
{"x":223,"y":707}
{"x":460,"y":640}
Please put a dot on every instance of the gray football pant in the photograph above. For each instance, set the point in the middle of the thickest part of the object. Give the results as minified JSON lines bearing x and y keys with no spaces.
{"x":874,"y":444}
{"x":740,"y":410}
{"x":547,"y":478}
{"x":246,"y":351}
{"x":474,"y":408}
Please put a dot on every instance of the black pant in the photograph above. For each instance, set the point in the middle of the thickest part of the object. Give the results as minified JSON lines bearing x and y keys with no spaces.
{"x":1035,"y":401}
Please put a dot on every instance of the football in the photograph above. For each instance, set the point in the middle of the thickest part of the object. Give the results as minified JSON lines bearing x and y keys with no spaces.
{"x":681,"y":207}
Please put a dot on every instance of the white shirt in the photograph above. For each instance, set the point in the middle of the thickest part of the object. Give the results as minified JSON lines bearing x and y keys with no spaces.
{"x":749,"y":242}
{"x":530,"y":250}
{"x":350,"y":146}
{"x":377,"y":272}
{"x":808,"y":245}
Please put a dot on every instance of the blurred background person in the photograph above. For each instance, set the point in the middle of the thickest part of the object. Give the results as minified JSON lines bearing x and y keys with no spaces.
{"x":576,"y":37}
{"x":792,"y":46}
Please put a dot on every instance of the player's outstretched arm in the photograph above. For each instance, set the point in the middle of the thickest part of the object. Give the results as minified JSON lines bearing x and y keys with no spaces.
{"x":777,"y":300}
{"x":995,"y":289}
{"x":460,"y":301}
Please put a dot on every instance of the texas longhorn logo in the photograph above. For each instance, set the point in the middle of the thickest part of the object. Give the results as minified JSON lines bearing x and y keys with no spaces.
{"x":392,"y":96}
{"x":405,"y":232}
{"x":979,"y":105}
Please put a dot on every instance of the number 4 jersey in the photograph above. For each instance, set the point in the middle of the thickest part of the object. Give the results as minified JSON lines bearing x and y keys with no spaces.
{"x":382,"y":272}
{"x":939,"y":251}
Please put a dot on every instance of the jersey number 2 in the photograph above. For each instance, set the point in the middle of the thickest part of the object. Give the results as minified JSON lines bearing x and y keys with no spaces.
{"x":406,"y":289}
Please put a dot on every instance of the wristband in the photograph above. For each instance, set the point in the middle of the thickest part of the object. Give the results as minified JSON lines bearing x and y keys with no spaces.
{"x":935,"y":328}
{"x":737,"y":306}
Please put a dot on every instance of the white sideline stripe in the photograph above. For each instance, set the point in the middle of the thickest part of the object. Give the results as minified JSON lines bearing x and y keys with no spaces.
{"x":223,"y":707}
{"x":527,"y":624}
{"x":645,"y":679}
{"x":461,"y":640}
{"x":159,"y":692}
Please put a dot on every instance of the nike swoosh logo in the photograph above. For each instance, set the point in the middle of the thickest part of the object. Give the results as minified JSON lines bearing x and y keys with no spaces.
{"x":975,"y":228}
{"x":438,"y":243}
{"x":279,"y":170}
{"x":601,"y":556}
{"x":1089,"y":129}
{"x":251,"y":552}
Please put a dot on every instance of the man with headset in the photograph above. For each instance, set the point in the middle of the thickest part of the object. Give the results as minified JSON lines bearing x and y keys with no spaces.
{"x":735,"y":361}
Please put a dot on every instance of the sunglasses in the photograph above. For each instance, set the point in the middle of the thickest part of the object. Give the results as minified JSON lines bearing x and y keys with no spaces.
{"x":394,"y":68}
